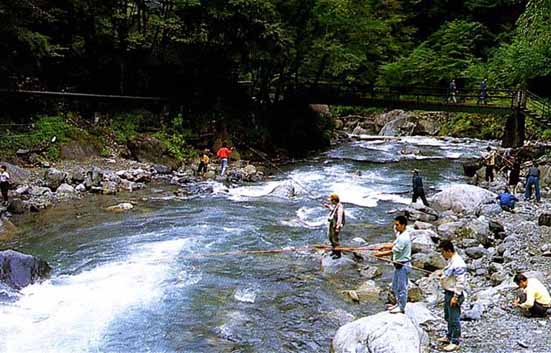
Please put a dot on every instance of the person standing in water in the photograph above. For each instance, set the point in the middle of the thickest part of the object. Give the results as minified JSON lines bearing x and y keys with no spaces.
{"x":418,"y":190}
{"x":336,"y":221}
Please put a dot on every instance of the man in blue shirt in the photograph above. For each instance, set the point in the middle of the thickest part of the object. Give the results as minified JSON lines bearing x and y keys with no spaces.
{"x":507,"y":200}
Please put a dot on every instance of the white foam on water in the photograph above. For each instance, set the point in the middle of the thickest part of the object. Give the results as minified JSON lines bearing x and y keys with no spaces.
{"x":244,"y":193}
{"x":312,"y":217}
{"x":394,"y":198}
{"x":355,"y":194}
{"x":72,"y":313}
{"x":245,"y":295}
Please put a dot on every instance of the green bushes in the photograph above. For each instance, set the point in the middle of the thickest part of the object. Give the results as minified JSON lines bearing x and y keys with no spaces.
{"x":474,"y":125}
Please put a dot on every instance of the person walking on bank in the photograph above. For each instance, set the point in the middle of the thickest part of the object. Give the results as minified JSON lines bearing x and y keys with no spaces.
{"x":4,"y":183}
{"x":490,"y":163}
{"x":507,"y":200}
{"x":452,"y":92}
{"x":336,"y":222}
{"x":223,"y":154}
{"x":400,"y":250}
{"x":418,"y":190}
{"x":534,"y":300}
{"x":203,"y":163}
{"x":453,"y":282}
{"x":483,"y":97}
{"x":533,"y":179}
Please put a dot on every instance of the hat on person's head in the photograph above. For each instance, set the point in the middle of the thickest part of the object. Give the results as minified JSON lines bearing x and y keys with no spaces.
{"x":415,"y":171}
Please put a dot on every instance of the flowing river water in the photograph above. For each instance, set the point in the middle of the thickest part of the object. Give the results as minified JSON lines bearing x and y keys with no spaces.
{"x":143,"y":281}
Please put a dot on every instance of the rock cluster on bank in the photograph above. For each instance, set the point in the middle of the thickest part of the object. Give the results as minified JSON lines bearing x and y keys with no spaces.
{"x":495,"y":246}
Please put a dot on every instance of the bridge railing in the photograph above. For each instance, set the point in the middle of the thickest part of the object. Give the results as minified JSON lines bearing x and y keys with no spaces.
{"x":537,"y":106}
{"x":414,"y":95}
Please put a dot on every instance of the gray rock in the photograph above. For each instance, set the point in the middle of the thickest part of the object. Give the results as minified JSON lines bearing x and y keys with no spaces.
{"x":18,"y":176}
{"x":65,"y":189}
{"x":54,"y":178}
{"x":109,"y":188}
{"x":431,"y":261}
{"x":18,"y":270}
{"x":423,"y":226}
{"x":421,"y":240}
{"x":380,"y":333}
{"x":161,"y":169}
{"x":370,"y":272}
{"x":544,"y":219}
{"x":80,"y":188}
{"x":461,"y":198}
{"x":476,"y":252}
{"x":333,"y":266}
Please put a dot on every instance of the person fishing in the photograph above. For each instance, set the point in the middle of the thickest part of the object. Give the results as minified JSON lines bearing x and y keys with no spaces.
{"x":336,"y":221}
{"x":400,"y":250}
{"x":418,"y":190}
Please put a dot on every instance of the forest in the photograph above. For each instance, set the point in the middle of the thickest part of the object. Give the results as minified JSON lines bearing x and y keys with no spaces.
{"x":211,"y":54}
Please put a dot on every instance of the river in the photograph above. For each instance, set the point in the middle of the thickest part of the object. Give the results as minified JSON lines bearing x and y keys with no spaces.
{"x":143,"y":281}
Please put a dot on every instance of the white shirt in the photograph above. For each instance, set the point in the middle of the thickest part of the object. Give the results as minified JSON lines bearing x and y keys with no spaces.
{"x":4,"y":177}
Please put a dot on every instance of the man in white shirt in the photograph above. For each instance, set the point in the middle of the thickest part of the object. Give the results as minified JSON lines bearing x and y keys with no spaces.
{"x":453,"y":282}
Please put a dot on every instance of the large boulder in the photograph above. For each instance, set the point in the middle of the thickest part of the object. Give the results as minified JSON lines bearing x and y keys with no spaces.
{"x":384,"y":333}
{"x":18,"y":176}
{"x":54,"y":178}
{"x":78,"y":150}
{"x":18,"y":270}
{"x":461,"y":198}
{"x":152,"y":150}
{"x":284,"y":190}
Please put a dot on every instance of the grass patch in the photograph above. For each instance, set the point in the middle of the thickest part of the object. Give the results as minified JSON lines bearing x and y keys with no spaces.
{"x":474,"y":125}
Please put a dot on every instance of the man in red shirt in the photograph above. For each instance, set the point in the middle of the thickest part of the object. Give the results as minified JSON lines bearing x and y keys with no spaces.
{"x":223,"y":154}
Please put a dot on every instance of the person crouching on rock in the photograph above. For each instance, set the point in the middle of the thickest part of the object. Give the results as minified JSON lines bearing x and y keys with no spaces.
{"x":336,"y":221}
{"x":203,"y":163}
{"x":507,"y":200}
{"x":4,"y":183}
{"x":453,"y":282}
{"x":534,"y":299}
{"x":400,"y":250}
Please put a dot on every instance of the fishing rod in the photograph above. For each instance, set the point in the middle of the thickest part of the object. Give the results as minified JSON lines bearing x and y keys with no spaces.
{"x":313,"y":248}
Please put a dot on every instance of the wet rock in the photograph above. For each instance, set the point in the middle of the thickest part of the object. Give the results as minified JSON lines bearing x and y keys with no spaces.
{"x":380,"y":333}
{"x":161,"y":169}
{"x":121,"y":207}
{"x":54,"y":178}
{"x":367,"y":291}
{"x":461,"y":198}
{"x":333,"y":266}
{"x":18,"y":270}
{"x":284,"y":190}
{"x":370,"y":272}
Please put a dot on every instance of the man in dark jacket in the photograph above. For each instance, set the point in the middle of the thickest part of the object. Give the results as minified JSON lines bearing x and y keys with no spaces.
{"x":533,"y":178}
{"x":418,"y":190}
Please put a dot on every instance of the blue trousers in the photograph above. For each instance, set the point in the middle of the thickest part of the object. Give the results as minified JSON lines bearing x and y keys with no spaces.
{"x":535,"y":181}
{"x":452,"y":314}
{"x":400,"y":284}
{"x":223,"y":165}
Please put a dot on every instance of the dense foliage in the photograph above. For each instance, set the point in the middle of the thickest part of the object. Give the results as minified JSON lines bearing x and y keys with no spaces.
{"x":201,"y":51}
